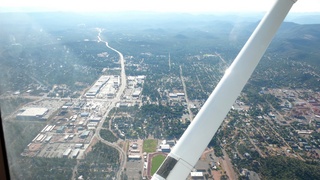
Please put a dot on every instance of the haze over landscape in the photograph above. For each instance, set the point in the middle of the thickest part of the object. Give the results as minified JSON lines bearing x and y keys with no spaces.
{"x":200,"y":6}
{"x":107,"y":93}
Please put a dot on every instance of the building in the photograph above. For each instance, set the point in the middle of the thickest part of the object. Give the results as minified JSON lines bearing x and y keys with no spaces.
{"x":66,"y":137}
{"x":196,"y":175}
{"x":81,"y":123}
{"x":134,"y":146}
{"x":32,"y":113}
{"x":136,"y":93}
{"x":116,"y":84}
{"x":141,"y":77}
{"x":84,"y":134}
{"x":78,"y":146}
{"x":67,"y":152}
{"x":71,"y":136}
{"x":80,"y":128}
{"x":171,"y":142}
{"x":64,"y":108}
{"x":134,"y":151}
{"x":84,"y":114}
{"x":111,"y":93}
{"x":94,"y":90}
{"x":236,"y":107}
{"x":75,"y":153}
{"x":173,"y":95}
{"x":48,"y":139}
{"x":165,"y":148}
{"x":134,"y":157}
{"x":304,"y":131}
{"x":44,"y":129}
{"x":41,"y":137}
{"x":68,"y":104}
{"x":92,"y":124}
{"x":95,"y":119}
{"x":122,"y":104}
{"x":49,"y":128}
{"x":61,"y":129}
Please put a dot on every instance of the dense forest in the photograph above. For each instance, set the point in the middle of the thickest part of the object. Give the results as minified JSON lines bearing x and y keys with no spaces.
{"x":100,"y":163}
{"x":279,"y":167}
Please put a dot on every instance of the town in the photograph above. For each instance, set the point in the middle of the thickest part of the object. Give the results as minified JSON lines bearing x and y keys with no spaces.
{"x":102,"y":102}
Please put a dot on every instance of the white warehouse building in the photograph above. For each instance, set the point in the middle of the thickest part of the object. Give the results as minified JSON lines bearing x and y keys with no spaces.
{"x":32,"y":113}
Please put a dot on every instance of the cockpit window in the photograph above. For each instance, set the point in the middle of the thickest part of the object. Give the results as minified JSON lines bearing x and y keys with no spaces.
{"x":101,"y":90}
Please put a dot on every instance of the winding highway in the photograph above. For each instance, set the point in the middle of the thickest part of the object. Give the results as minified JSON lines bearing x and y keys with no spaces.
{"x":123,"y":157}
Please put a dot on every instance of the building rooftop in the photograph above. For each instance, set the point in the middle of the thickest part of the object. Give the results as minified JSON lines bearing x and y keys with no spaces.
{"x":165,"y":146}
{"x":34,"y":112}
{"x":67,"y":152}
{"x":196,"y":174}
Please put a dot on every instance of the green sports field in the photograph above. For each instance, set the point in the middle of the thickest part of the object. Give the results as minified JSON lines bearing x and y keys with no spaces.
{"x":150,"y":145}
{"x":156,"y":162}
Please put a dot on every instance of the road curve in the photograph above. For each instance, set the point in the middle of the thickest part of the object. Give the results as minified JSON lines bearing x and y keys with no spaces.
{"x":122,"y":154}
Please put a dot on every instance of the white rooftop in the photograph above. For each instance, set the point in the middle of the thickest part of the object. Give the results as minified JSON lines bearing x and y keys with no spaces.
{"x":34,"y":112}
{"x":196,"y":174}
{"x":165,"y":146}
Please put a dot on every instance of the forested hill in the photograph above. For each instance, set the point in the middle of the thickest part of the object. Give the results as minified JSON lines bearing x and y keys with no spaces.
{"x":299,"y":42}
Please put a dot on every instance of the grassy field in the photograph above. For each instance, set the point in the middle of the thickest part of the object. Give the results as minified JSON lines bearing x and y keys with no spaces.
{"x":150,"y":145}
{"x":156,"y":162}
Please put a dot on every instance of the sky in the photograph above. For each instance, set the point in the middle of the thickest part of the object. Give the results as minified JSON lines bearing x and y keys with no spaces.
{"x":191,"y":6}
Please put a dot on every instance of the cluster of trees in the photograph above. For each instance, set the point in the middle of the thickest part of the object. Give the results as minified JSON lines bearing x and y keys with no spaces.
{"x":216,"y":144}
{"x":108,"y":135}
{"x":100,"y":163}
{"x":280,"y":71}
{"x":162,"y":121}
{"x":150,"y":119}
{"x":43,"y":168}
{"x":160,"y":111}
{"x":279,"y":167}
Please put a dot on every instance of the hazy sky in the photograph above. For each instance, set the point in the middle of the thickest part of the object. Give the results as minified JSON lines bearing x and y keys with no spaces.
{"x":192,"y":6}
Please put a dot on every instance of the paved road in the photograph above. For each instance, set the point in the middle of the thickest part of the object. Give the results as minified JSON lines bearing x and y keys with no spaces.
{"x":123,"y":157}
{"x":186,"y":95}
{"x":122,"y":154}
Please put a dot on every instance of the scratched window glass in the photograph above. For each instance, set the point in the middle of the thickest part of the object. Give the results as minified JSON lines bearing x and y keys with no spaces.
{"x":105,"y":90}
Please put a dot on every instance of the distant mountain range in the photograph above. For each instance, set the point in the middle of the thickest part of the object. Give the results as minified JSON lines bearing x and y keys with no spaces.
{"x":304,"y":18}
{"x":31,"y":40}
{"x":299,"y":18}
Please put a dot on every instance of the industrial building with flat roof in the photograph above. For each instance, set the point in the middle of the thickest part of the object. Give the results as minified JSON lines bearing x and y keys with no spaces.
{"x":136,"y":93}
{"x":134,"y":157}
{"x":94,"y":90}
{"x":165,"y":148}
{"x":196,"y":175}
{"x":67,"y":152}
{"x":84,"y":134}
{"x":32,"y":113}
{"x":75,"y":153}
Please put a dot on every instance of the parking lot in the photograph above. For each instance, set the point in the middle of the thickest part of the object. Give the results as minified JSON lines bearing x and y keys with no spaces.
{"x":134,"y":169}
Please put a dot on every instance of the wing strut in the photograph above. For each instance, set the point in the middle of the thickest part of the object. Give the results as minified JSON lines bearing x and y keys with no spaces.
{"x":195,"y":139}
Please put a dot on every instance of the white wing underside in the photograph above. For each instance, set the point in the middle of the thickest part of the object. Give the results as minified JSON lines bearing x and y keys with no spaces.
{"x":192,"y":143}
